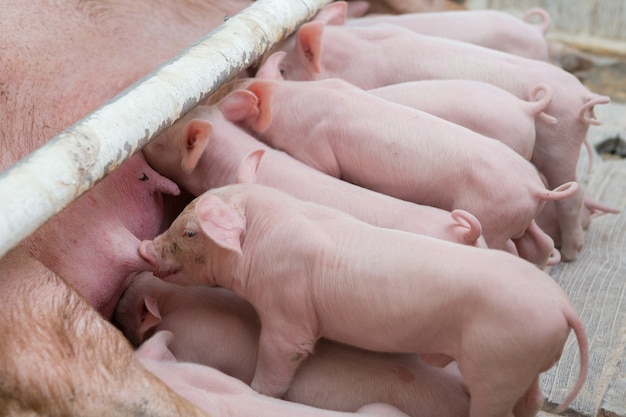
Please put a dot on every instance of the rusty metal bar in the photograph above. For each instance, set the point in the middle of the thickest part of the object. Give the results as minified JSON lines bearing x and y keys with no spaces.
{"x":48,"y":179}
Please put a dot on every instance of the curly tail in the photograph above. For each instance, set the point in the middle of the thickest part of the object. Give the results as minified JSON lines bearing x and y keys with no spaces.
{"x":546,"y":20}
{"x":583,"y":346}
{"x":542,"y":97}
{"x":469,"y":221}
{"x":586,"y":115}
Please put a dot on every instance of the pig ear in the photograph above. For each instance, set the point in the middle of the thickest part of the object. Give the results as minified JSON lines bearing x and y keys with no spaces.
{"x":193,"y":143}
{"x":270,"y":70}
{"x":309,"y":41}
{"x":240,"y":106}
{"x":149,"y":316}
{"x":246,"y":173}
{"x":333,"y":14}
{"x":156,"y":348}
{"x":263,"y":90}
{"x":220,"y":222}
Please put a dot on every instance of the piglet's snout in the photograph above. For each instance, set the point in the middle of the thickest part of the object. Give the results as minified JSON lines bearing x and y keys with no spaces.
{"x":151,"y":252}
{"x":146,"y":251}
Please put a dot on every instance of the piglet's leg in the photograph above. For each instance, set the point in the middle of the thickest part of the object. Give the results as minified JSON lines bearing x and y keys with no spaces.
{"x":530,"y":404}
{"x":572,"y":234}
{"x":279,"y":356}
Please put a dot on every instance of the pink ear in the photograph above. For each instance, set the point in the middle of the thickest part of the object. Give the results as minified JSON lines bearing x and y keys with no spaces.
{"x":151,"y":316}
{"x":246,"y":173}
{"x":333,"y":14}
{"x":220,"y":222}
{"x":270,"y":70}
{"x":193,"y":143}
{"x":240,"y":106}
{"x":263,"y":90}
{"x":156,"y":348}
{"x":152,"y":306}
{"x":309,"y":40}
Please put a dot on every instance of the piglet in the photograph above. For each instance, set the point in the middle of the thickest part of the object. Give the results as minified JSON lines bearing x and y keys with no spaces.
{"x":213,"y":327}
{"x":489,"y":28}
{"x":467,"y":103}
{"x":479,"y":106}
{"x":203,"y":149}
{"x":393,"y":54}
{"x":219,"y":394}
{"x":406,"y":153}
{"x":410,"y":6}
{"x":311,"y":271}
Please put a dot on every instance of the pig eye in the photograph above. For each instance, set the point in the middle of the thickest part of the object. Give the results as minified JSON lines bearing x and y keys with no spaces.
{"x":190,"y":233}
{"x":144,"y":177}
{"x":282,"y":72}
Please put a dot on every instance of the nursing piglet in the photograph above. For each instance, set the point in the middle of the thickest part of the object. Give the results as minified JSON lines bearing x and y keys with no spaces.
{"x":476,"y":105}
{"x":495,"y":113}
{"x":393,"y":54}
{"x":212,"y":326}
{"x":203,"y":149}
{"x":409,"y":6}
{"x":479,"y":106}
{"x":345,"y":132}
{"x":221,"y":395}
{"x":489,"y":28}
{"x":311,"y":271}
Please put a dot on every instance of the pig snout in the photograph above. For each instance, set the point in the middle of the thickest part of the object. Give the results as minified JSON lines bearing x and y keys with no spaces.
{"x":148,"y":252}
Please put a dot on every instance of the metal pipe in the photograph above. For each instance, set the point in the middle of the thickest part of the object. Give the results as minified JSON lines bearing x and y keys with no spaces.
{"x":51,"y":177}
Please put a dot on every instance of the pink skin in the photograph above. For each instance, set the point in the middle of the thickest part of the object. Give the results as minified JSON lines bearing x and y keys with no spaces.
{"x":471,"y":103}
{"x":247,"y":237}
{"x":479,"y":106}
{"x":73,"y":56}
{"x":70,"y":58}
{"x":214,"y":327}
{"x":93,"y":242}
{"x":489,"y":28}
{"x":465,"y":102}
{"x":302,"y":118}
{"x":318,"y":51}
{"x":407,"y":6}
{"x":203,"y":150}
{"x":537,"y":246}
{"x":221,"y":395}
{"x":591,"y":209}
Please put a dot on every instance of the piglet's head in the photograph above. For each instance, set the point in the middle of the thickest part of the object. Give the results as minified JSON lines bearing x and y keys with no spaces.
{"x":206,"y":230}
{"x":187,"y":248}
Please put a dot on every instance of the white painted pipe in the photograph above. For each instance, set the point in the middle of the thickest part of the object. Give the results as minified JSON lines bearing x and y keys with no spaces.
{"x":47,"y":180}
